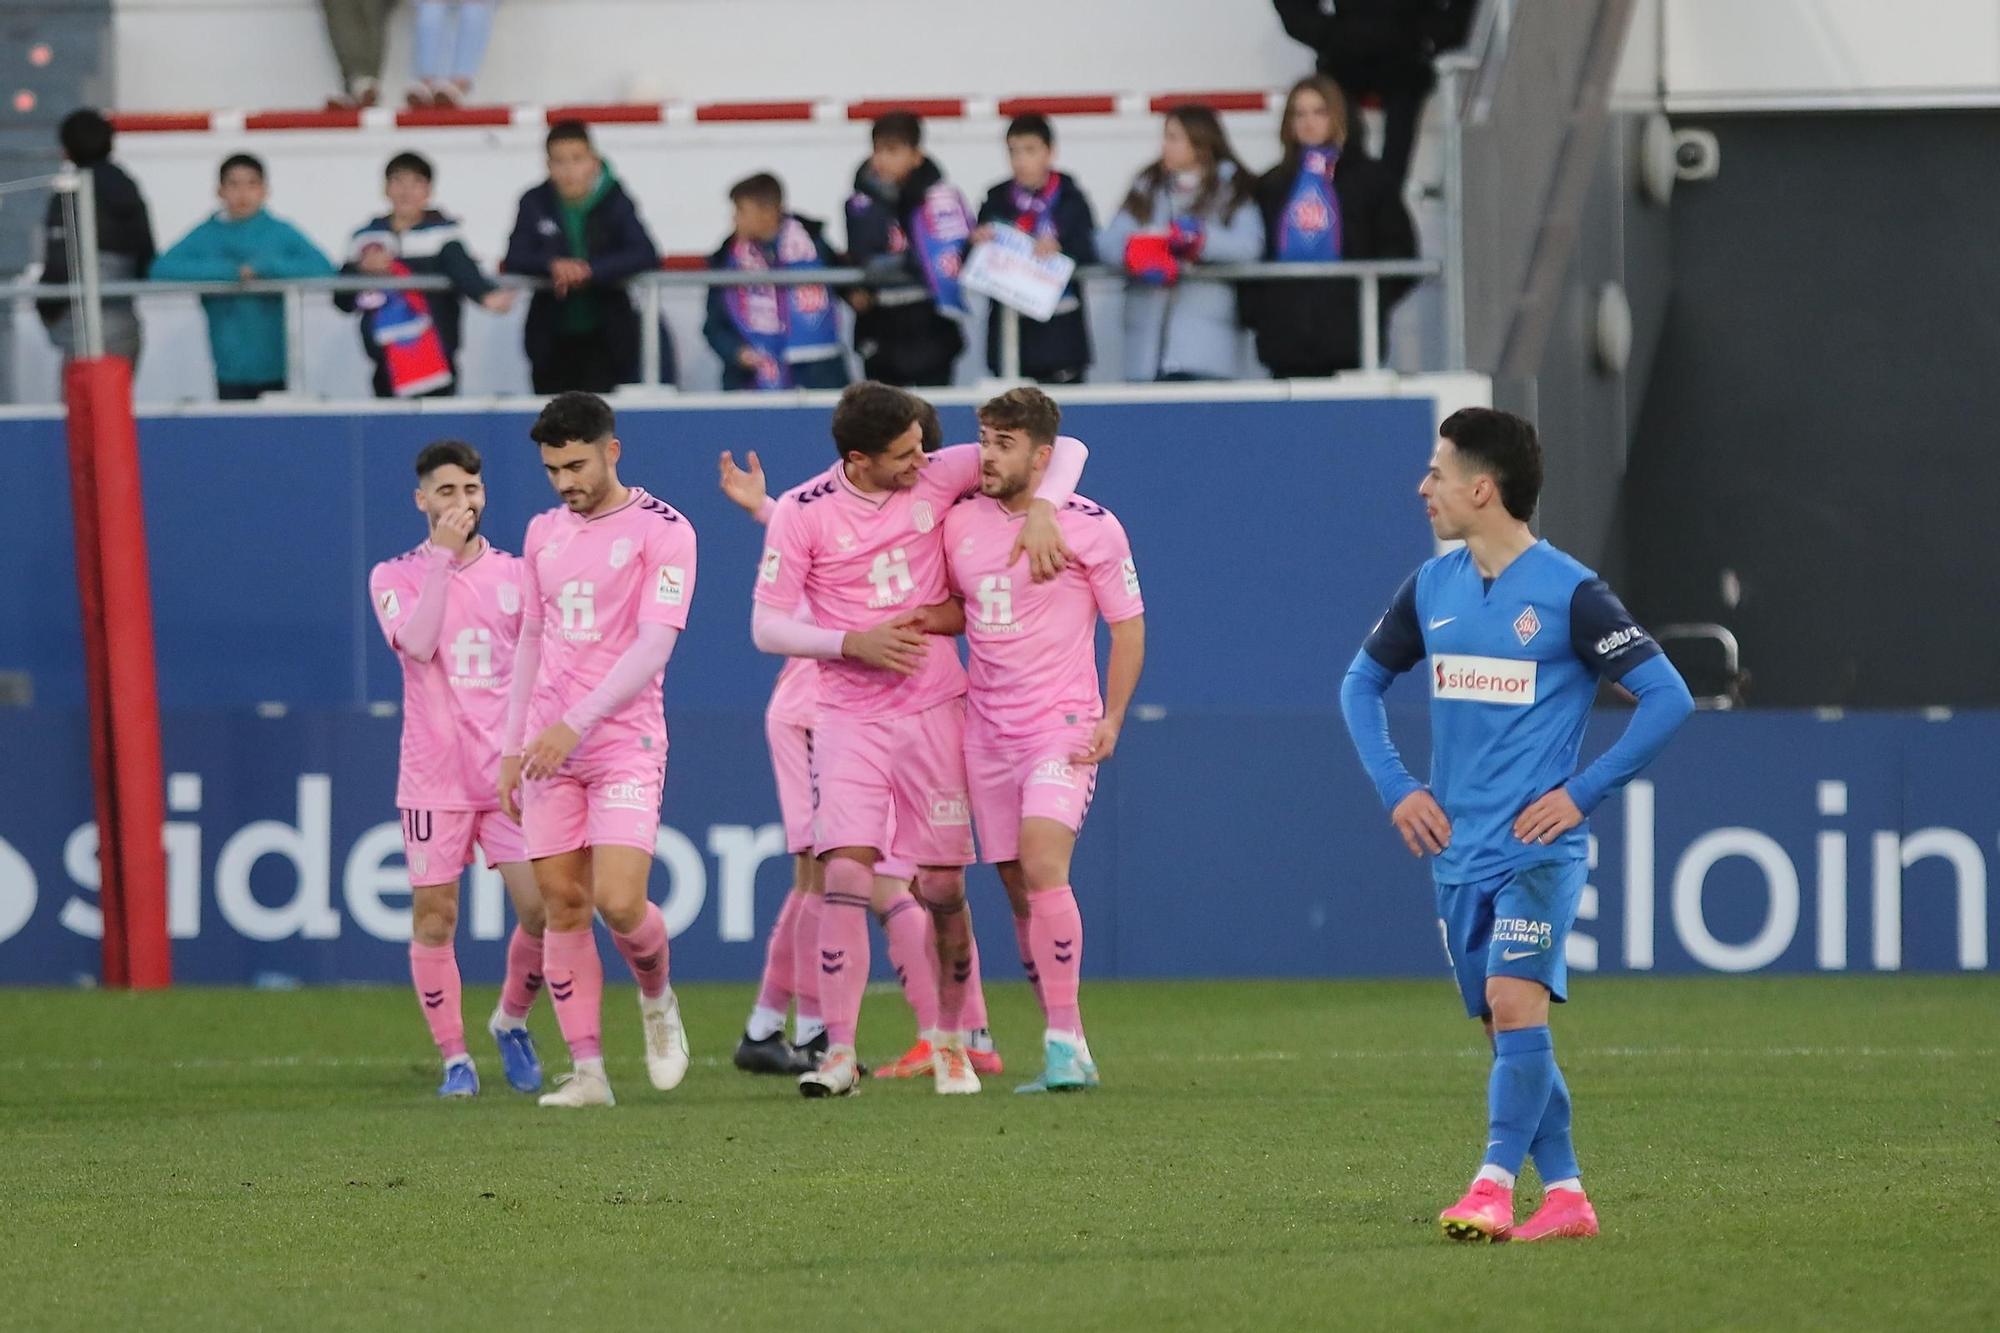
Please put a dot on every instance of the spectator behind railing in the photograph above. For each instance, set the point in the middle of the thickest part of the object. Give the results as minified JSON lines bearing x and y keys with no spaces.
{"x":905,"y":222}
{"x":774,"y":337}
{"x":246,"y":334}
{"x":1325,"y":200}
{"x":1192,"y":204}
{"x":1051,"y":207}
{"x":124,"y":239}
{"x":1383,"y":48}
{"x":358,"y":31}
{"x":582,"y":231}
{"x":451,"y":43}
{"x":413,"y":337}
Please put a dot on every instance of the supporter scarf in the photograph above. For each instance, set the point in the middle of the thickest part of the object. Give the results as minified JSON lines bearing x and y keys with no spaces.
{"x":412,"y":352}
{"x":1309,"y":228}
{"x":943,"y":222}
{"x":775,"y":322}
{"x":1033,"y":209}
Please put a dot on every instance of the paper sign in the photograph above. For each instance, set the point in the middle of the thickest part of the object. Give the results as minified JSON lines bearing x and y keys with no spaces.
{"x":1008,"y":270}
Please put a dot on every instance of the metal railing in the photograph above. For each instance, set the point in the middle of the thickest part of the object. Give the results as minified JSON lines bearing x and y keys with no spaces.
{"x":648,"y":290}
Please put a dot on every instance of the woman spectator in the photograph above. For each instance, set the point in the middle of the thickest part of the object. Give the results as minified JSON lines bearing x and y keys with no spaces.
{"x":1322,"y":202}
{"x":1192,"y":204}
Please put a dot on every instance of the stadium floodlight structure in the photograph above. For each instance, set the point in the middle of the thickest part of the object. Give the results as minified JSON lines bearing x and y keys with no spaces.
{"x":114,"y":588}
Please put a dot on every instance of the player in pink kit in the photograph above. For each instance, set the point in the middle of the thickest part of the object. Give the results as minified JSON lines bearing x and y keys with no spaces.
{"x":862,"y":545}
{"x":607,"y":581}
{"x":1037,"y":729}
{"x":791,"y":960}
{"x":451,"y":611}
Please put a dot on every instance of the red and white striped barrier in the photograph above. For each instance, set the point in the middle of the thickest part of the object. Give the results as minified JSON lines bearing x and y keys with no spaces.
{"x":687,"y":113}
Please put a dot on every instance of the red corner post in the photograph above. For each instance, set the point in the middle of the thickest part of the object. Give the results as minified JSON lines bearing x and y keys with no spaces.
{"x":116,"y":593}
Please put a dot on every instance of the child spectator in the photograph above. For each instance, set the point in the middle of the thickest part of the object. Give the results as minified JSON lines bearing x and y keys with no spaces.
{"x":412,"y":336}
{"x":774,"y":337}
{"x":580,"y":230}
{"x":1322,"y":202}
{"x":124,"y":239}
{"x":1052,"y":208}
{"x":451,"y":41}
{"x":1190,"y":205}
{"x":906,"y":225}
{"x":246,"y":334}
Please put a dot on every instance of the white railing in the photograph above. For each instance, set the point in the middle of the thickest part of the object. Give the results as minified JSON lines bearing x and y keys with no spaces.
{"x":648,"y":290}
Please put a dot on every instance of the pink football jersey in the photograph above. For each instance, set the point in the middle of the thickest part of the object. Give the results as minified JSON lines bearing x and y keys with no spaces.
{"x":858,"y":560}
{"x":455,"y":704}
{"x":1033,"y":646}
{"x":795,"y":697}
{"x":595,"y":580}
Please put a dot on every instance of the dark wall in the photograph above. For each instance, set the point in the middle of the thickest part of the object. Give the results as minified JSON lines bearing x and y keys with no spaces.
{"x":1818,"y":431}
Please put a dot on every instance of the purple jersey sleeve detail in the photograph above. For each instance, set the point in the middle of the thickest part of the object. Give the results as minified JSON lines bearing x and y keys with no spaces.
{"x":1397,"y":641}
{"x":1603,"y":634}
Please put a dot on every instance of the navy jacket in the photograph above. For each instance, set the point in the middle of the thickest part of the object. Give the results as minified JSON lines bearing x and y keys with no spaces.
{"x":901,"y":335}
{"x":1058,"y":349}
{"x":617,"y":246}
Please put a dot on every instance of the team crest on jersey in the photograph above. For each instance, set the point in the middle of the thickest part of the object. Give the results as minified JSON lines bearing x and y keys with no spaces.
{"x":922,"y":517}
{"x":509,"y":598}
{"x":965,"y":547}
{"x":844,"y":540}
{"x":1527,"y":625}
{"x":621,"y":551}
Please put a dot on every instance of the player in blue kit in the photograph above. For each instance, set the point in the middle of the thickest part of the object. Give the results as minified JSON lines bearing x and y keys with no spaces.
{"x":1518,"y":634}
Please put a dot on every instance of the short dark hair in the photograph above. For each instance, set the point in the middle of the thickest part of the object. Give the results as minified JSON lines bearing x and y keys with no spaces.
{"x":235,"y":160}
{"x":572,"y":417}
{"x":1026,"y":409}
{"x":871,"y":416}
{"x":85,"y":137}
{"x":1033,"y":125}
{"x":933,"y":427}
{"x":414,"y":163}
{"x":567,"y":130}
{"x":762,"y":188}
{"x":1504,"y":447}
{"x":897,"y":127}
{"x":439,"y":452}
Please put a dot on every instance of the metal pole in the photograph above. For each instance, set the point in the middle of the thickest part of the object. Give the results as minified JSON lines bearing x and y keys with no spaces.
{"x":92,"y":331}
{"x":1010,"y":343}
{"x":1371,"y":322}
{"x":649,"y":333}
{"x":1454,"y":214}
{"x":295,"y":340}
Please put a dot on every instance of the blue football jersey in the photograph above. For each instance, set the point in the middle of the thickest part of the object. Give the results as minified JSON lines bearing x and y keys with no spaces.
{"x":1513,"y":670}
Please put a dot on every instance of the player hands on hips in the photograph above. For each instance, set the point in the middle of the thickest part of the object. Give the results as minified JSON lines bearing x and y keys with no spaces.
{"x":607,"y":579}
{"x":1037,"y":726}
{"x":861,"y":548}
{"x":1517,"y":635}
{"x":451,"y":612}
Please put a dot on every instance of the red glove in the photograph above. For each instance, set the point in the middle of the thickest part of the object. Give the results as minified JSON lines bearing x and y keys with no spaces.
{"x":1148,"y":259}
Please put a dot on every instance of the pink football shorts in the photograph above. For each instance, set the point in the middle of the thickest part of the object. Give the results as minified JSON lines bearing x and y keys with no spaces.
{"x":791,"y":763}
{"x":1028,"y":778}
{"x":610,"y":798}
{"x":437,"y":844}
{"x":896,"y":784}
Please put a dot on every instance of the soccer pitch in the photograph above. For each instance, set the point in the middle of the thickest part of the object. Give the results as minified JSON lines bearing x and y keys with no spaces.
{"x":1814,"y":1152}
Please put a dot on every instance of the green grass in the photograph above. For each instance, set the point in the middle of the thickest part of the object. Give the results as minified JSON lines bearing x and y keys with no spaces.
{"x":1804,"y":1153}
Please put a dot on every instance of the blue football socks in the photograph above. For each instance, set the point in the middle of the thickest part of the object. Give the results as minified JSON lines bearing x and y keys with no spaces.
{"x":1554,"y":1154}
{"x":1517,"y":1095}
